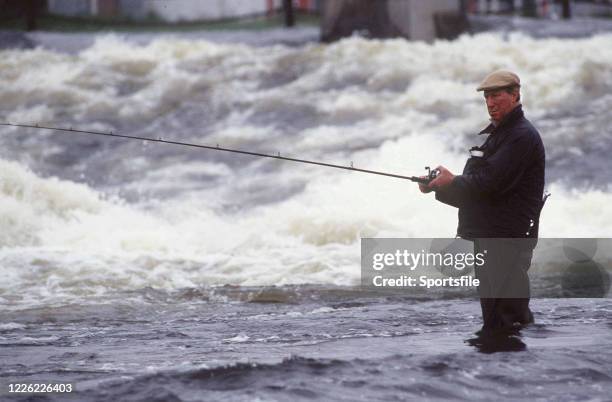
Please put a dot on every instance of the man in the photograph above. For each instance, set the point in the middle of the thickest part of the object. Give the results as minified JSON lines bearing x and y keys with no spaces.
{"x":499,"y":197}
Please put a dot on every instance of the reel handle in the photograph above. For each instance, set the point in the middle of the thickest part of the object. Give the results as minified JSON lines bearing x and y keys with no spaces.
{"x":431,"y":174}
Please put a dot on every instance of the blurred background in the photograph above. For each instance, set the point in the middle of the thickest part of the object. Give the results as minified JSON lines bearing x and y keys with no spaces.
{"x":199,"y":14}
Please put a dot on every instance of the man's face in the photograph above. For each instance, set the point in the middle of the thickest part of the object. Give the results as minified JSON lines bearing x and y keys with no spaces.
{"x":500,"y":103}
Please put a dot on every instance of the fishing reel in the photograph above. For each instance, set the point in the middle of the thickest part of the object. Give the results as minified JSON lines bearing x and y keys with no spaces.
{"x":431,"y":174}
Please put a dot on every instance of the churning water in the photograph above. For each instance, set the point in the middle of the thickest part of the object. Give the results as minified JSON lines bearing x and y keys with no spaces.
{"x":129,"y":265}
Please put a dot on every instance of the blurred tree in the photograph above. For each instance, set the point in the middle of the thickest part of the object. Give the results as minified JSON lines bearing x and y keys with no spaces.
{"x":22,"y":10}
{"x":530,"y":8}
{"x":31,"y":11}
{"x":567,"y":11}
{"x":289,"y":17}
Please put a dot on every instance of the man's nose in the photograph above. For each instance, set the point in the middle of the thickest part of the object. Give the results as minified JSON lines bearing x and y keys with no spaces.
{"x":490,"y":102}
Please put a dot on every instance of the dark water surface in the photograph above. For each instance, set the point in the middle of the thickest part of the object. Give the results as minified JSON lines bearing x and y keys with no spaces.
{"x":300,"y":343}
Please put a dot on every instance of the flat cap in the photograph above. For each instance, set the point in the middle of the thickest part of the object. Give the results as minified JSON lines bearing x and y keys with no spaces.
{"x":499,"y":79}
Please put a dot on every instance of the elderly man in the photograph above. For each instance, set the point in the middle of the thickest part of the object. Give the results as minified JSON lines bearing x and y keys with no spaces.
{"x":499,"y":197}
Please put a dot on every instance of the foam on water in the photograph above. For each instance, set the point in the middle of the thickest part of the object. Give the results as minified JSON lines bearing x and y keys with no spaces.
{"x":115,"y":80}
{"x":198,"y":219}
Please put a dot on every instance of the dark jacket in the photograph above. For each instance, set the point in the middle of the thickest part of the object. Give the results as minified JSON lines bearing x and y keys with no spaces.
{"x":500,"y":191}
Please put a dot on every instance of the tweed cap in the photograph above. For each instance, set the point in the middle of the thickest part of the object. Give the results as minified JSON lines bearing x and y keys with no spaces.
{"x":499,"y":79}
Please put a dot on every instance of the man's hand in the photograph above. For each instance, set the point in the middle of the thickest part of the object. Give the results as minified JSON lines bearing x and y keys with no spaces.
{"x":444,"y":179}
{"x":424,"y":187}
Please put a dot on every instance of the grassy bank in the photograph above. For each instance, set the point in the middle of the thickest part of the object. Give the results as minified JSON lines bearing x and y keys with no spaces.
{"x":59,"y":23}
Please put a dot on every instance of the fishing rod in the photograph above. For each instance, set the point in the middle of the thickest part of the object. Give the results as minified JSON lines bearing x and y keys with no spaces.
{"x":431,"y":174}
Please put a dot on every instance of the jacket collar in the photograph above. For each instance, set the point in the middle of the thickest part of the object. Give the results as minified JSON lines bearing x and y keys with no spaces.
{"x":510,"y":118}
